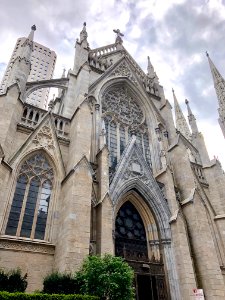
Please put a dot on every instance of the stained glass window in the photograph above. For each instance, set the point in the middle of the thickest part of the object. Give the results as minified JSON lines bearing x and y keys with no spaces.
{"x":130,"y":234}
{"x":29,"y":209}
{"x":121,"y":111}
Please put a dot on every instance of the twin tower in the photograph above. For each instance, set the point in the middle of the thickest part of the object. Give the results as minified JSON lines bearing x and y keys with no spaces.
{"x":105,"y":170}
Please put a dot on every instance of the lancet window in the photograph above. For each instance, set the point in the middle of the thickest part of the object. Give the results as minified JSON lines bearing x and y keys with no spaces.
{"x":29,"y":209}
{"x":123,"y":118}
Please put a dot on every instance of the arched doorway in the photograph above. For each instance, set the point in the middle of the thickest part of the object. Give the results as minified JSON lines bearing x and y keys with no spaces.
{"x":141,"y":251}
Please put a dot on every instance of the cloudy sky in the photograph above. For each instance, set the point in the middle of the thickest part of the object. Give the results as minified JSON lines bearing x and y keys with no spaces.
{"x":175,"y":34}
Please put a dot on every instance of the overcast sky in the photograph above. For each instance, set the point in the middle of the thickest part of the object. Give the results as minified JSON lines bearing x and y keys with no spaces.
{"x":175,"y":34}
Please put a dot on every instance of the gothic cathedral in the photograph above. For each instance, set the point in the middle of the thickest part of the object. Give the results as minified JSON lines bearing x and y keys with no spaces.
{"x":105,"y":170}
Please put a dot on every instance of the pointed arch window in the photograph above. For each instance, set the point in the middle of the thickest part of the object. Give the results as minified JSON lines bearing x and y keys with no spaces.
{"x":29,"y":209}
{"x":123,"y":117}
{"x":130,"y":235}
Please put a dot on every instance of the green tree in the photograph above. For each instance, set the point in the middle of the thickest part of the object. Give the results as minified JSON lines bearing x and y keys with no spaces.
{"x":108,"y":277}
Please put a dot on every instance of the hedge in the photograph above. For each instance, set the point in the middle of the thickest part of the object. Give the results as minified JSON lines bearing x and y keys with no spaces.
{"x":23,"y":296}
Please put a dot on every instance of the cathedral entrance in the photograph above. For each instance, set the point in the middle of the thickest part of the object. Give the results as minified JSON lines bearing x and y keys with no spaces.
{"x":141,"y":253}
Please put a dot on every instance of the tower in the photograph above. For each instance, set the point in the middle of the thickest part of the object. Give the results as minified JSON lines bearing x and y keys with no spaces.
{"x":105,"y":170}
{"x":42,"y":67}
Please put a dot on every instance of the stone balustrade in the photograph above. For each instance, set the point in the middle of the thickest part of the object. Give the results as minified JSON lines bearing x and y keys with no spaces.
{"x":32,"y":115}
{"x":62,"y":126}
{"x":103,"y":50}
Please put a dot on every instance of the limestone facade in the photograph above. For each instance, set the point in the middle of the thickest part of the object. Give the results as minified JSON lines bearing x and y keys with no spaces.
{"x":104,"y":170}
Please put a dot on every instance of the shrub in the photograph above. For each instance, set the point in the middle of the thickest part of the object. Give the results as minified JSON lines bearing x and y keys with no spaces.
{"x":107,"y":277}
{"x":60,"y":283}
{"x":13,"y":281}
{"x":3,"y":280}
{"x":23,"y":296}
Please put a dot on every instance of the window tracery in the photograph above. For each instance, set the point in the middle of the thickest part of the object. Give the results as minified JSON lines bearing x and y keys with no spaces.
{"x":130,"y":235}
{"x":123,"y":117}
{"x":29,"y":209}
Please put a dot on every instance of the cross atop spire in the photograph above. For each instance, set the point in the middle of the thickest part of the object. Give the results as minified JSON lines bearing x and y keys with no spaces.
{"x":119,"y":34}
{"x":181,"y":123}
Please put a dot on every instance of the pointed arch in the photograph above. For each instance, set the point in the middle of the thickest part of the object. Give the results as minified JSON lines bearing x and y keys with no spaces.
{"x":149,"y":222}
{"x":149,"y":203}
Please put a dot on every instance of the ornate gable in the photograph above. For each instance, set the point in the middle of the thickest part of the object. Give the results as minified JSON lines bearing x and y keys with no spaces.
{"x":124,"y":70}
{"x":44,"y":137}
{"x":132,"y":169}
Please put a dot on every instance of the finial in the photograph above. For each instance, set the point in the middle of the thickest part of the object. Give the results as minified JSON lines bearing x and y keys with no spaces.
{"x":207,"y":54}
{"x":33,"y":27}
{"x":64,"y":73}
{"x":186,"y":101}
{"x":149,"y":65}
{"x":51,"y":103}
{"x":172,"y":90}
{"x":83,"y":33}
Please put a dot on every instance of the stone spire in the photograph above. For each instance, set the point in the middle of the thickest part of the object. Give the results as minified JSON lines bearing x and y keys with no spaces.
{"x":151,"y":72}
{"x":60,"y":91}
{"x":197,"y":138}
{"x":181,"y":123}
{"x":83,"y":34}
{"x":150,"y":69}
{"x":191,"y":119}
{"x":22,"y":63}
{"x":63,"y":73}
{"x":219,"y":84}
{"x":27,"y":46}
{"x":82,"y":50}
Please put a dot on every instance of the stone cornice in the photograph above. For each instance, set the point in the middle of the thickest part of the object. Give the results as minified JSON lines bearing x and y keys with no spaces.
{"x":25,"y":245}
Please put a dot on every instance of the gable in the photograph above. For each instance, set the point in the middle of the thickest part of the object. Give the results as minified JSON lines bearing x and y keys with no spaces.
{"x":133,"y":168}
{"x":44,"y":137}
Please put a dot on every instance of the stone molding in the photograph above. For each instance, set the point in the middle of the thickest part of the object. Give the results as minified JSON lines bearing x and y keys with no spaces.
{"x":190,"y":199}
{"x":219,"y":217}
{"x":22,"y":245}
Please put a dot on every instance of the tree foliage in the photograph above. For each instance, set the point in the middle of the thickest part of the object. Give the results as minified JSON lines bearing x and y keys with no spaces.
{"x":108,"y":277}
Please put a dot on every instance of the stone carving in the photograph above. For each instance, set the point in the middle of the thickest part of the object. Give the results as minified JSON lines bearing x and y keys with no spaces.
{"x":136,"y":170}
{"x":119,"y":35}
{"x":123,"y":106}
{"x":123,"y":70}
{"x":27,"y":246}
{"x":44,"y":137}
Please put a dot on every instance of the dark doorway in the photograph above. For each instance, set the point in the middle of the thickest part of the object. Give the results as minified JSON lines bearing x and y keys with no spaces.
{"x":131,"y":243}
{"x":144,"y":288}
